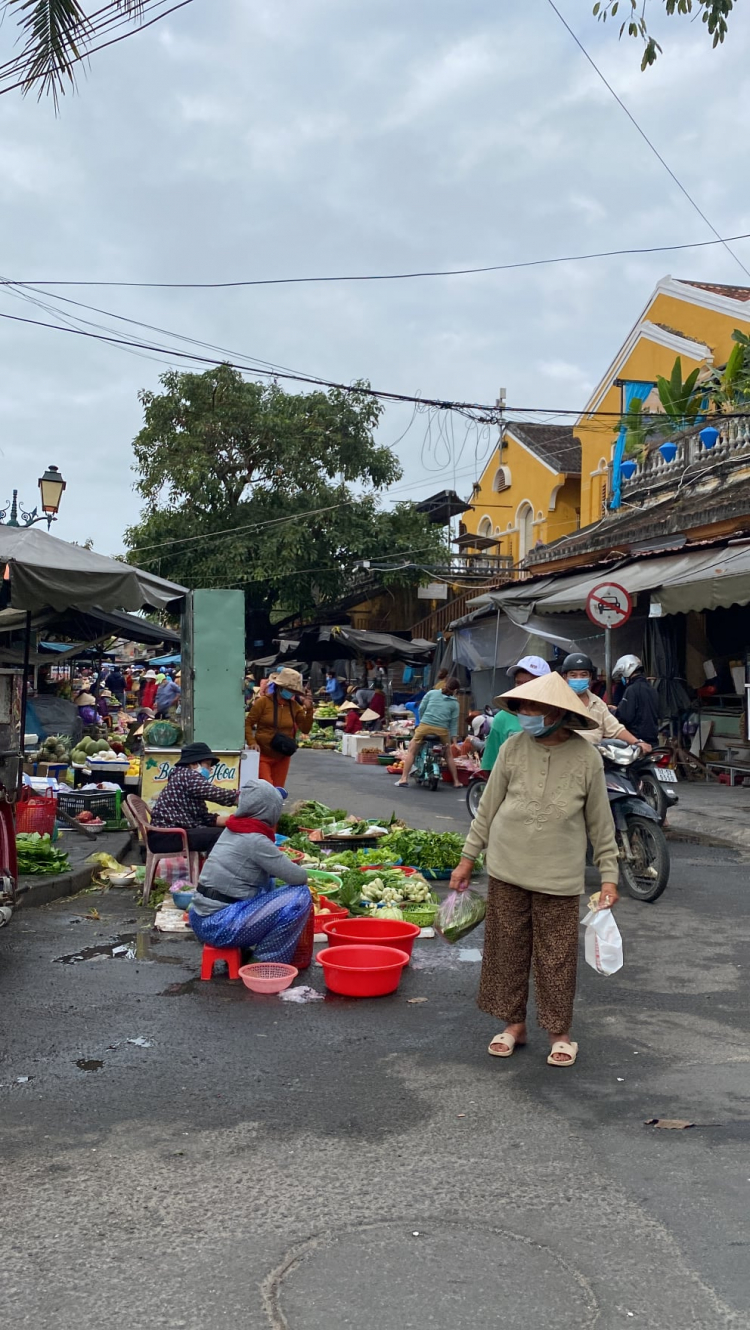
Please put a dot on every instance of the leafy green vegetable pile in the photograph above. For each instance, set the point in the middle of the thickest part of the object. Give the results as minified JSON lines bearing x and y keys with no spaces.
{"x":360,"y":859}
{"x":37,"y":854}
{"x":310,"y":813}
{"x":437,"y":850}
{"x":368,"y":893}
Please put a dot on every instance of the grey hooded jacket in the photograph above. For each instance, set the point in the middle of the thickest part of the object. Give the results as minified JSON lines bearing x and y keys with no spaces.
{"x":241,"y":864}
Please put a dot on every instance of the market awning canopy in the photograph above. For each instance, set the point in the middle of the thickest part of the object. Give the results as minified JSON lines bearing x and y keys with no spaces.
{"x":81,"y":629}
{"x":693,"y":580}
{"x":44,"y":571}
{"x":696,"y":579}
{"x":328,"y":643}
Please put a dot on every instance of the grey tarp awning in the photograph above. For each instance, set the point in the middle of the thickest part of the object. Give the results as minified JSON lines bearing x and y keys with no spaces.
{"x":692,"y":580}
{"x":82,"y":628}
{"x":46,"y":571}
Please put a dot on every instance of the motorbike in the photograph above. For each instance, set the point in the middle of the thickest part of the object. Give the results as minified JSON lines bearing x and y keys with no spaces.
{"x":641,"y":843}
{"x":475,"y":790}
{"x":429,"y":763}
{"x":657,"y":781}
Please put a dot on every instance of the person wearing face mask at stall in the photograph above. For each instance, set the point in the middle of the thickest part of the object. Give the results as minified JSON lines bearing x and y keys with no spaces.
{"x":545,"y":797}
{"x":274,"y":721}
{"x":183,"y":803}
{"x":579,"y":672}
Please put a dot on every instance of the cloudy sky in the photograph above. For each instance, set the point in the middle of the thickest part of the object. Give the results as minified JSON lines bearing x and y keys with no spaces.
{"x":271,"y":138}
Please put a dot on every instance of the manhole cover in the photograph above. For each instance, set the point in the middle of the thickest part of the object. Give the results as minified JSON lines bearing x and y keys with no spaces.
{"x":449,"y":1275}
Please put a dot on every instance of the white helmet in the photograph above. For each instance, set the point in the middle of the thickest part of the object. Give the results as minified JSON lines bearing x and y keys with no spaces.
{"x":626,"y":666}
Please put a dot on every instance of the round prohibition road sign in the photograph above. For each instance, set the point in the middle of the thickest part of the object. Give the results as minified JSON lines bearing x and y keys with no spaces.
{"x":609,"y":605}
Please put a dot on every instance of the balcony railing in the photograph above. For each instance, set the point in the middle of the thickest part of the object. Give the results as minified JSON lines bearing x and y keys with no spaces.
{"x":656,"y":473}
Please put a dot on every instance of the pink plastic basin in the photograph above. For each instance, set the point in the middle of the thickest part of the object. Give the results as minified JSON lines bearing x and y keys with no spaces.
{"x":383,"y":932}
{"x":362,"y":971}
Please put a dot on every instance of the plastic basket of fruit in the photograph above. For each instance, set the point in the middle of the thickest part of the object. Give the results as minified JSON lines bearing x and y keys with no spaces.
{"x":103,"y":805}
{"x":369,"y":757}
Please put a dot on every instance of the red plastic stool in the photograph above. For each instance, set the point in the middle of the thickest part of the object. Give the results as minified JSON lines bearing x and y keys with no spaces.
{"x":232,"y":956}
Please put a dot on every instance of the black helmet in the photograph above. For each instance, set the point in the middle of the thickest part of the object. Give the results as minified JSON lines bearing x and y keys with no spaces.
{"x":577,"y":661}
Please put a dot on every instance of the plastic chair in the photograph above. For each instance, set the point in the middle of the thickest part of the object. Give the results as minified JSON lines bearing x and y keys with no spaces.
{"x":140,"y":811}
{"x":232,"y":956}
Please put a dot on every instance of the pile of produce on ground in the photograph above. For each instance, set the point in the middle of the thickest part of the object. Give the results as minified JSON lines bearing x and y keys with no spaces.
{"x":37,"y":854}
{"x":437,"y":851}
{"x":54,"y":749}
{"x":320,"y":736}
{"x":308,"y":813}
{"x":387,"y":894}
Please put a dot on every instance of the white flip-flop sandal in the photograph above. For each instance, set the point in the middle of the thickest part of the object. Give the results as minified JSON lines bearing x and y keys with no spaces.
{"x":510,"y":1044}
{"x":562,"y":1046}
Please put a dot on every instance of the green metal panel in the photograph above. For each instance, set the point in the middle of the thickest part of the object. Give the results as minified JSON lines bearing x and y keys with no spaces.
{"x":216,"y":664}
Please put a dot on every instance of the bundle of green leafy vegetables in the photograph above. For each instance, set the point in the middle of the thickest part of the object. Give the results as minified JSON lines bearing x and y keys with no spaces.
{"x":310,"y":813}
{"x":37,"y":854}
{"x":302,"y":843}
{"x":362,"y":859}
{"x":437,"y":850}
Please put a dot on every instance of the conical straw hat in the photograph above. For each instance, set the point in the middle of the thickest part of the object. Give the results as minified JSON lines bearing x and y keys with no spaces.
{"x":555,"y":692}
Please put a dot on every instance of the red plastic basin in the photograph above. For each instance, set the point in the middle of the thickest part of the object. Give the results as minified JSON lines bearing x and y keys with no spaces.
{"x":362,"y":971}
{"x":383,"y":932}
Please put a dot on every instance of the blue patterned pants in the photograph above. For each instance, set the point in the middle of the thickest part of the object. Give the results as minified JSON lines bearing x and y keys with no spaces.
{"x":270,"y":924}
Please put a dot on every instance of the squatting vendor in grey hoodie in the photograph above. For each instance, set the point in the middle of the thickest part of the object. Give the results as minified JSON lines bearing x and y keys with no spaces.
{"x":238,"y":902}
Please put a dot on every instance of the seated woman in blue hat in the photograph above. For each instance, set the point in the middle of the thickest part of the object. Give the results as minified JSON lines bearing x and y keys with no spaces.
{"x":184,"y":803}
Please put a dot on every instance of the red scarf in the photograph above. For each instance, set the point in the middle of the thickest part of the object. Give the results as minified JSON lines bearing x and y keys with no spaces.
{"x":250,"y":825}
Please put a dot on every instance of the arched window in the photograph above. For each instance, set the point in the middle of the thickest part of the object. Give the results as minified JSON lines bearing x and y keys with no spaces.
{"x":525,"y":524}
{"x":502,"y":479}
{"x":485,"y":527}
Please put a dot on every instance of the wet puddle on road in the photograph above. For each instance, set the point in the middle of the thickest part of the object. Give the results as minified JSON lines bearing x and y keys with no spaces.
{"x":140,"y":947}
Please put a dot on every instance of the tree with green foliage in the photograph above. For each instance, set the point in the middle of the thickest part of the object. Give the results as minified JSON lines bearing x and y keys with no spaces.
{"x":714,"y":13}
{"x":248,"y":485}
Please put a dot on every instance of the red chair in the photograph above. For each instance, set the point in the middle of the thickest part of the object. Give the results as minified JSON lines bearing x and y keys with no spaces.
{"x":141,"y":812}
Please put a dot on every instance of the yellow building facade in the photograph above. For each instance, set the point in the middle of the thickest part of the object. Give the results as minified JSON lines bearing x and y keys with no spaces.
{"x":529,"y":490}
{"x":692,"y":320}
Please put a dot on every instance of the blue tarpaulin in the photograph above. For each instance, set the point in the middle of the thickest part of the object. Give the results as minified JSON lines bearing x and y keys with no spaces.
{"x":166,"y":660}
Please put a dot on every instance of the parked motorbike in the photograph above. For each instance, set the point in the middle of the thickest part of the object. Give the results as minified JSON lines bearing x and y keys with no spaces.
{"x":657,"y":781}
{"x":429,"y":763}
{"x":475,"y":790}
{"x":641,"y":843}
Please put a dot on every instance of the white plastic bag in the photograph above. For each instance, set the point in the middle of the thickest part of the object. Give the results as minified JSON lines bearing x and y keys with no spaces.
{"x":602,"y":942}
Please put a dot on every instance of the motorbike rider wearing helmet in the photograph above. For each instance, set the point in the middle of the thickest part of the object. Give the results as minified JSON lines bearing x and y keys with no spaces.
{"x":639,"y":708}
{"x":578,"y":671}
{"x":506,"y":723}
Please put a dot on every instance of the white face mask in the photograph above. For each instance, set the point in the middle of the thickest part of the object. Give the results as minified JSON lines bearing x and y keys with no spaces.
{"x":533,"y":725}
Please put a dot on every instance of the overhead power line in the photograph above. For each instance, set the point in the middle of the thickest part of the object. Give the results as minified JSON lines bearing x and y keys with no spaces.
{"x":647,"y":140}
{"x":395,"y":276}
{"x":485,"y":413}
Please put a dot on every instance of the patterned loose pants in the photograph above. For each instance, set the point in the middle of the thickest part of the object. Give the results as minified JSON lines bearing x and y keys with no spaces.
{"x":525,"y":930}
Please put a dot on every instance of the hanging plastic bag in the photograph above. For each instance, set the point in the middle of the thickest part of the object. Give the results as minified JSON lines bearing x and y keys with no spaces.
{"x":602,"y":942}
{"x":460,"y":913}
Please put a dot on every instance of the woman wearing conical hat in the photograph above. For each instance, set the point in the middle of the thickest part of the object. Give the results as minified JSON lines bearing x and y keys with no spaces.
{"x":545,"y":798}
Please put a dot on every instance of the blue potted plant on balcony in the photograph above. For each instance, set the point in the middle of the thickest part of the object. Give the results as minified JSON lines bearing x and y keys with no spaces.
{"x":682,"y":402}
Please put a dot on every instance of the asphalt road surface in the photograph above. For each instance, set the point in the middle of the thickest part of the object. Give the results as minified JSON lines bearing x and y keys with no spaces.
{"x":256,"y":1163}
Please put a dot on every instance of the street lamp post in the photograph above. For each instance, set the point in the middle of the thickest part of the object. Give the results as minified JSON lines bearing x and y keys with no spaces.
{"x":51,"y":486}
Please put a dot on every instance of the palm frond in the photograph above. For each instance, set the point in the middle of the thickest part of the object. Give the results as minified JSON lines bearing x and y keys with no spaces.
{"x":58,"y":35}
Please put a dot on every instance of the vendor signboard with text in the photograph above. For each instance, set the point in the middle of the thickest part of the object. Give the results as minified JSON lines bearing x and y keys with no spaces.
{"x":158,"y":763}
